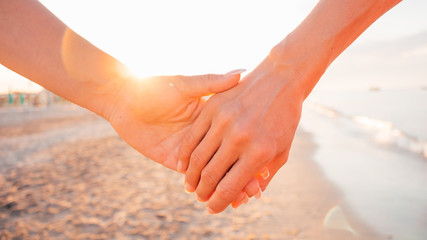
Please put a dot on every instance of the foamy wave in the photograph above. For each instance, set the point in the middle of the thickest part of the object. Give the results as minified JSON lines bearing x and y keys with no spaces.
{"x":384,"y":131}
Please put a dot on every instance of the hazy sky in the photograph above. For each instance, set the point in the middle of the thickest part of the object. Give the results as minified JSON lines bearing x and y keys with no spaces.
{"x":194,"y":36}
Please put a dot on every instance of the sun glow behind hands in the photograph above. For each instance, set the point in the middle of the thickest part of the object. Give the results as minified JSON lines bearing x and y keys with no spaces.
{"x":168,"y":37}
{"x":174,"y":37}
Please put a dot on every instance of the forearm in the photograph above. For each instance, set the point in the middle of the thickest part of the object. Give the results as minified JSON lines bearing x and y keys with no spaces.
{"x":37,"y":45}
{"x":326,"y":32}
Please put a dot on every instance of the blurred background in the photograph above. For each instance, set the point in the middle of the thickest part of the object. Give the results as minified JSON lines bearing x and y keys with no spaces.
{"x":358,"y":165}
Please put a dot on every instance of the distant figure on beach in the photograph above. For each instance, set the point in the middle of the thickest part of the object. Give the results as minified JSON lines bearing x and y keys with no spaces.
{"x":230,"y":146}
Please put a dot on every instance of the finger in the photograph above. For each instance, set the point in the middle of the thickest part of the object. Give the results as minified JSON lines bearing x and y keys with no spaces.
{"x":191,"y":139}
{"x":215,"y":170}
{"x":243,"y":199}
{"x":200,"y":157}
{"x":265,"y":173}
{"x":253,"y":188}
{"x":203,"y":85}
{"x":273,"y":167}
{"x":231,"y":185}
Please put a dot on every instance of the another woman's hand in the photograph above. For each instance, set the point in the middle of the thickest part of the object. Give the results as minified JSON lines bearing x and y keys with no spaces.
{"x":240,"y":132}
{"x":152,"y":114}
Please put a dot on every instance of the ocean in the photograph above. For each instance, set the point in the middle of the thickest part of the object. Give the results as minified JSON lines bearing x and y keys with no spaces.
{"x":372,"y":144}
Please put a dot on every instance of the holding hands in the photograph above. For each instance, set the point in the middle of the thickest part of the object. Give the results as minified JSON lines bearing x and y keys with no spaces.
{"x":240,"y":132}
{"x":230,"y":146}
{"x":252,"y":126}
{"x":153,"y":114}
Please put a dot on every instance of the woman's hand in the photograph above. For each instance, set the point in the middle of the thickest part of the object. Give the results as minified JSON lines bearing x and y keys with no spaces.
{"x":252,"y":125}
{"x":153,"y":114}
{"x":240,"y":132}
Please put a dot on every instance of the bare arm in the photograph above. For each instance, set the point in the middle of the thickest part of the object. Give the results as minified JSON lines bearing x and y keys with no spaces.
{"x":150,"y":114}
{"x":326,"y":32}
{"x":37,"y":45}
{"x":251,"y":126}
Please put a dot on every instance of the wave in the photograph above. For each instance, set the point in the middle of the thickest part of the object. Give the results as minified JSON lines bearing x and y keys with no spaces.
{"x":384,"y":132}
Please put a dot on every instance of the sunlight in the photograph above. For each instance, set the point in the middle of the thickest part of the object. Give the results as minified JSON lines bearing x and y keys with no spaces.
{"x":336,"y":219}
{"x":79,"y":59}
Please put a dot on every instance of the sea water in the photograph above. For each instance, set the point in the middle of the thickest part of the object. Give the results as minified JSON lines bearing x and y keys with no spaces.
{"x":373,"y":146}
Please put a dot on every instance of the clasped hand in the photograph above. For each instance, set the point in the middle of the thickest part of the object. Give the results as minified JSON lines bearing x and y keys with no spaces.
{"x":240,"y":132}
{"x":230,"y":146}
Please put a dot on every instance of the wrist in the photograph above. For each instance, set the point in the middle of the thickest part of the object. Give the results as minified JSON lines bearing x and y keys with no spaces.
{"x":306,"y":60}
{"x":95,"y":78}
{"x":111,"y":98}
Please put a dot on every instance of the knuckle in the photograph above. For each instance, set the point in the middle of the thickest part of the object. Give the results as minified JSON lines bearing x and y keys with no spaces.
{"x":188,"y":139}
{"x":260,"y":152}
{"x":210,"y":79}
{"x":241,"y":132}
{"x":227,"y":193}
{"x":249,"y":167}
{"x":184,"y":153}
{"x":264,"y":150}
{"x":196,"y":160}
{"x":225,"y":117}
{"x":252,"y":187}
{"x":208,"y":178}
{"x":260,"y":156}
{"x":227,"y":113}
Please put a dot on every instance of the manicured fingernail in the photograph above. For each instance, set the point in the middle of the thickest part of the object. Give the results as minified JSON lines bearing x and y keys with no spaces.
{"x":243,"y":201}
{"x":242,"y":196}
{"x":246,"y":200}
{"x":265,"y":174}
{"x":211,"y":211}
{"x":236,"y":204}
{"x":235,"y":72}
{"x":200,"y":199}
{"x":258,"y":194}
{"x":179,"y":166}
{"x":189,"y":188}
{"x":185,"y":186}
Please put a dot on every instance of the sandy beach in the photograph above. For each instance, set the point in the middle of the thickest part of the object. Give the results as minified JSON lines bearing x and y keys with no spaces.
{"x":65,"y":174}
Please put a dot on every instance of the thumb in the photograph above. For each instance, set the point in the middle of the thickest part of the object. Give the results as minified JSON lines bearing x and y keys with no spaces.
{"x":203,"y":85}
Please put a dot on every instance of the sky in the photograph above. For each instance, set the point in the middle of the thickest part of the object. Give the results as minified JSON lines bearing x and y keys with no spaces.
{"x":197,"y":36}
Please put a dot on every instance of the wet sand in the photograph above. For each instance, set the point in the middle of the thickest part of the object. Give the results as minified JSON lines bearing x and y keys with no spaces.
{"x":66,"y":175}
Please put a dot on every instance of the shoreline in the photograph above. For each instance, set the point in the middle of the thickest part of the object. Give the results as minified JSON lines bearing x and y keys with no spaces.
{"x":382,"y":186}
{"x":87,"y":183}
{"x":306,"y":203}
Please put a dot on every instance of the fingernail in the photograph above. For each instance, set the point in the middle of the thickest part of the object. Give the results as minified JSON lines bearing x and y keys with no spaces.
{"x":242,"y":201}
{"x":246,"y":200}
{"x":199,"y":199}
{"x":236,"y":204}
{"x":265,"y":174}
{"x":179,"y":166}
{"x":210,"y":210}
{"x":189,"y":188}
{"x":185,"y":186}
{"x":242,"y":196}
{"x":258,"y":194}
{"x":235,"y":72}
